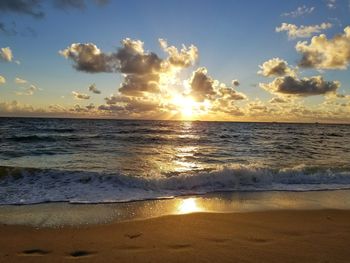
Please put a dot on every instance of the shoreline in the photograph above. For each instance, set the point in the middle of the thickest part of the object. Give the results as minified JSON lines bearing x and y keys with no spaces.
{"x":266,"y":236}
{"x":61,"y":214}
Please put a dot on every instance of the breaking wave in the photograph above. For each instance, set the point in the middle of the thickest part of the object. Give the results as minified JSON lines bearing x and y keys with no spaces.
{"x":30,"y":185}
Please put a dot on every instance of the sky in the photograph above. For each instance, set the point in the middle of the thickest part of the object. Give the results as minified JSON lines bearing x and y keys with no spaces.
{"x":191,"y":60}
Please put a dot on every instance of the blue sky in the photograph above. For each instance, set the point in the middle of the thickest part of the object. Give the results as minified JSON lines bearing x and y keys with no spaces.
{"x":233,"y":38}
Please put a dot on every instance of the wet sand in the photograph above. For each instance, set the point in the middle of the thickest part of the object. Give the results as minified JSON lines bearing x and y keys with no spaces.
{"x":271,"y":236}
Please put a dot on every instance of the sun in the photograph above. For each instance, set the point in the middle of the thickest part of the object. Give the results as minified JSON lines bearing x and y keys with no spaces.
{"x":185,"y":105}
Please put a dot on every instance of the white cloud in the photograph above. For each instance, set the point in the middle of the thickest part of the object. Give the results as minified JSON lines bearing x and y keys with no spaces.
{"x":331,"y":4}
{"x":20,"y":81}
{"x":29,"y":91}
{"x":6,"y":54}
{"x":323,"y":53}
{"x":301,"y":10}
{"x":2,"y":80}
{"x":276,"y":67}
{"x":294,"y":31}
{"x":80,"y":96}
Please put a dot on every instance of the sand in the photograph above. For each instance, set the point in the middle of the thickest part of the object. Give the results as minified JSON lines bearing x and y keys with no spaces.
{"x":272,"y":236}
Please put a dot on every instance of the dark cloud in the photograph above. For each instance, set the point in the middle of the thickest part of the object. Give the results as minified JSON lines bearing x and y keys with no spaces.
{"x":93,"y":89}
{"x":127,"y":105}
{"x":89,"y":58}
{"x":78,"y":4}
{"x":134,"y":60}
{"x":136,"y":85}
{"x":27,"y":7}
{"x":8,"y":30}
{"x":142,"y":70}
{"x":235,"y":83}
{"x":202,"y":85}
{"x":301,"y":87}
{"x":34,"y":8}
{"x":66,"y":4}
{"x":112,"y":108}
{"x":129,"y":59}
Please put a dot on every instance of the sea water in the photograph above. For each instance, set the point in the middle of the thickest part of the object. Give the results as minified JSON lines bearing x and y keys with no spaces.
{"x":99,"y":161}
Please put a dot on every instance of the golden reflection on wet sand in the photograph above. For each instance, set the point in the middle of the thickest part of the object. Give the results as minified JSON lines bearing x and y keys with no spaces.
{"x":189,"y":205}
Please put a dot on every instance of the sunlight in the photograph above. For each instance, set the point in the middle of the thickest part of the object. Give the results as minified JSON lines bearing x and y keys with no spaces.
{"x":189,"y":205}
{"x":185,"y":105}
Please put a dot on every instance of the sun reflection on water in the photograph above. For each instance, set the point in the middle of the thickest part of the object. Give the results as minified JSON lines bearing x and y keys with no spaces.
{"x":188,"y":205}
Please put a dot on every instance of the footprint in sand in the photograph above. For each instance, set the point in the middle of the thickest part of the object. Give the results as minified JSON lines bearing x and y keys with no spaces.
{"x":259,"y":240}
{"x":34,"y":252}
{"x":180,"y":246}
{"x":132,"y":236}
{"x":81,"y":253}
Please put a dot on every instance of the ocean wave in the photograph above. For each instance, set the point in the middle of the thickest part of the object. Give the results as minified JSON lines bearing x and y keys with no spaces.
{"x":30,"y":185}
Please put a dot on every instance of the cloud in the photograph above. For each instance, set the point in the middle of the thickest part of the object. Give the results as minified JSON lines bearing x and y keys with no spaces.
{"x":34,"y":7}
{"x":143,"y":71}
{"x":184,"y":58}
{"x":294,"y":31}
{"x":301,"y":10}
{"x":331,"y":4}
{"x":289,"y":85}
{"x":216,"y":97}
{"x":151,"y":84}
{"x":77,"y":4}
{"x":89,"y":58}
{"x":138,"y":84}
{"x":130,"y":58}
{"x":278,"y":100}
{"x":91,"y":106}
{"x":29,"y":91}
{"x":235,"y":83}
{"x":80,"y":96}
{"x":127,"y":106}
{"x":20,"y":81}
{"x":101,"y":2}
{"x":2,"y":80}
{"x":276,"y":67}
{"x":134,"y":60}
{"x":27,"y":7}
{"x":202,"y":85}
{"x":65,"y":4}
{"x":6,"y":54}
{"x":323,"y":53}
{"x":93,"y":89}
{"x":4,"y":29}
{"x":228,"y":94}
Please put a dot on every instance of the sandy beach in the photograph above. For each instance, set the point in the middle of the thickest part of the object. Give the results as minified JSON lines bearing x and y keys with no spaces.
{"x":271,"y":236}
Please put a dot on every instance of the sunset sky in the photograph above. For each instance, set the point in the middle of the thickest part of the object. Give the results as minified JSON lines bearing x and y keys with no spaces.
{"x":196,"y":60}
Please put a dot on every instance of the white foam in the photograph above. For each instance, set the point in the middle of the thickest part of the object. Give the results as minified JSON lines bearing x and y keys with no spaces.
{"x":30,"y":186}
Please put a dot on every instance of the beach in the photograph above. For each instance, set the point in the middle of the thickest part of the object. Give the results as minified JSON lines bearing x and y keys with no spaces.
{"x":267,"y":236}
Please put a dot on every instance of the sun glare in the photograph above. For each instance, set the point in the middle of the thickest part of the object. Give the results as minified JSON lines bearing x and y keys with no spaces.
{"x":185,"y":105}
{"x":188,"y":206}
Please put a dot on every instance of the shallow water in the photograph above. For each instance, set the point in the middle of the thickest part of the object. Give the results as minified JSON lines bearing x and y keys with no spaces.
{"x":96,"y":161}
{"x":63,"y":214}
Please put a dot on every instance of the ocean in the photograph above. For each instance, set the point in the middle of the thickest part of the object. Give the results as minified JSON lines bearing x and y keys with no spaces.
{"x":106,"y":161}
